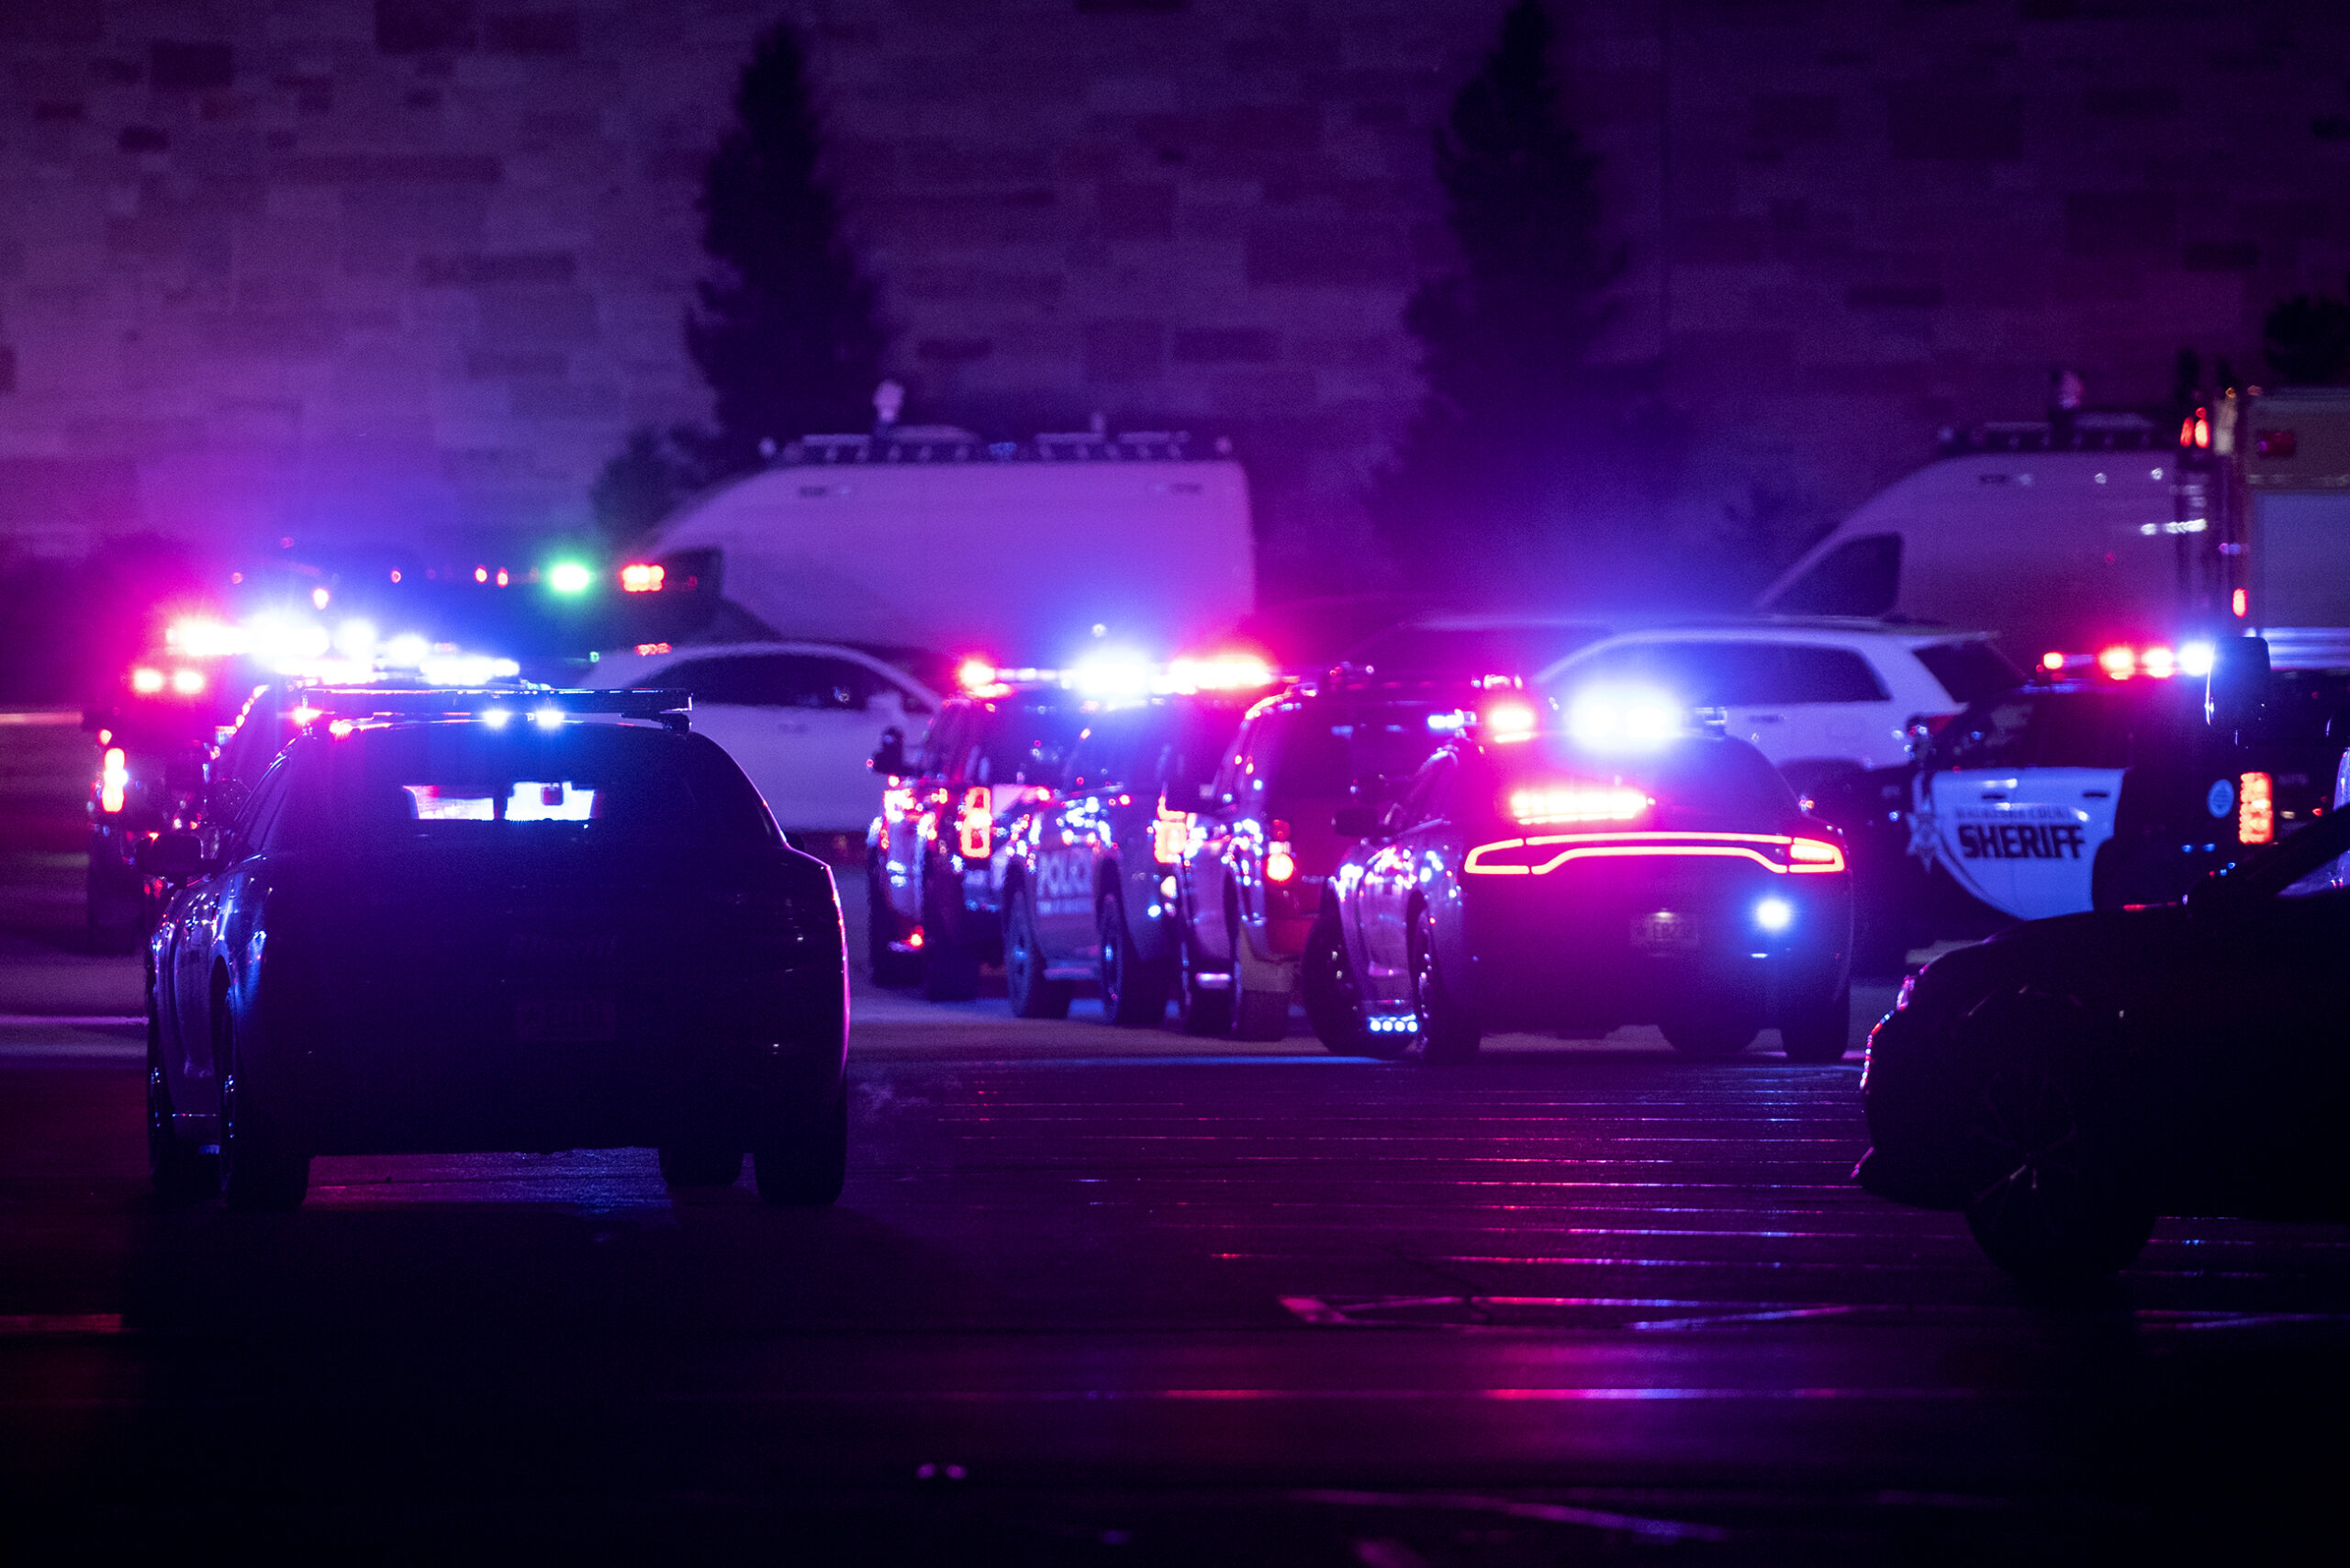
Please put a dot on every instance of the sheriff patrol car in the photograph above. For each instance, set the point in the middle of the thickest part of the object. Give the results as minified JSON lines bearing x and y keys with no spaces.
{"x":2105,"y":783}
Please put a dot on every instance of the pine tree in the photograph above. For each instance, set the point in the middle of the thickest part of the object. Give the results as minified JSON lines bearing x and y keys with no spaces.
{"x":1512,"y":435}
{"x":784,"y":329}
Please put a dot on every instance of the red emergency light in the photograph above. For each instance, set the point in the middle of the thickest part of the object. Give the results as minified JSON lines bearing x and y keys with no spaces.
{"x":642,"y":577}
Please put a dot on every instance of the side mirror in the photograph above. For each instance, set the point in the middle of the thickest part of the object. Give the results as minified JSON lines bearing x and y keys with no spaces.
{"x":1355,"y":821}
{"x":890,"y":755}
{"x":2238,"y":682}
{"x":176,"y":856}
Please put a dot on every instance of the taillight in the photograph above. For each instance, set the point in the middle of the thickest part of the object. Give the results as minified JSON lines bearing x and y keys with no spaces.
{"x":1813,"y":856}
{"x":1281,"y":864}
{"x":2255,"y":810}
{"x":114,"y":777}
{"x":975,"y":824}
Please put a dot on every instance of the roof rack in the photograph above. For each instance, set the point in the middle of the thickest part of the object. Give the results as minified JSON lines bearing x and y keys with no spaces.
{"x":674,"y":710}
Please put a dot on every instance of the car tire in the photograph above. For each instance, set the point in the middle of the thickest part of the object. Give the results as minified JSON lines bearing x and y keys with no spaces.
{"x":1818,"y":1033}
{"x":1134,"y":989}
{"x":892,"y":969}
{"x":1711,"y":1036}
{"x":1259,"y":1012}
{"x":950,"y":965}
{"x":806,"y":1166}
{"x":260,"y":1170}
{"x":699,"y":1163}
{"x":1333,"y":999}
{"x":177,"y":1170}
{"x":1449,"y":1035}
{"x":1202,"y":1011}
{"x":1024,"y":985}
{"x":2037,"y":1203}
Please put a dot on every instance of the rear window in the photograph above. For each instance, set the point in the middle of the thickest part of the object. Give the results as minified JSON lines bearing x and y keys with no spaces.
{"x":999,"y":743}
{"x":1327,"y":750}
{"x":585,"y":784}
{"x":1969,"y":671}
{"x":1701,"y":782}
{"x":1717,"y":674}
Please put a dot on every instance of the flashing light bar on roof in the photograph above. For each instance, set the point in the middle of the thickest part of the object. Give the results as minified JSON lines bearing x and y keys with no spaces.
{"x":546,"y":705}
{"x":2122,"y":661}
{"x":1115,"y":675}
{"x":1578,"y":803}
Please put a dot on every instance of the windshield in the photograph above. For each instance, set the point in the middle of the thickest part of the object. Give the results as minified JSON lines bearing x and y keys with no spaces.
{"x":1471,"y":650}
{"x":2099,"y":726}
{"x":584,"y":784}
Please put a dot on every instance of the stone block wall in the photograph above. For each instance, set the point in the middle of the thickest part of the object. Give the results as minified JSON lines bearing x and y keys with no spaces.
{"x":407,"y":270}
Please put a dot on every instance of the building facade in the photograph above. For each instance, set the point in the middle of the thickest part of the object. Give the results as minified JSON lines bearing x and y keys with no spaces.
{"x":408,"y":270}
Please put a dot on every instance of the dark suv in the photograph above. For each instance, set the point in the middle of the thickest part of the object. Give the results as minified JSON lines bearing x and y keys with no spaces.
{"x":933,"y":856}
{"x":1263,"y":842}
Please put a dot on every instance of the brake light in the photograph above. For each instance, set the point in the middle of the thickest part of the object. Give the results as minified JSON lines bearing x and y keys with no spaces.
{"x":1280,"y":865}
{"x":2238,"y":605}
{"x":975,"y":824}
{"x":1538,"y":856}
{"x":114,"y":777}
{"x":1578,"y":803}
{"x":637,"y":577}
{"x":1170,"y":832}
{"x":2255,"y":810}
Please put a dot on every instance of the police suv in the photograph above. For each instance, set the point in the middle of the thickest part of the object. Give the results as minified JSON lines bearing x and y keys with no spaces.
{"x":934,"y":855}
{"x":2108,"y":782}
{"x":1089,"y":891}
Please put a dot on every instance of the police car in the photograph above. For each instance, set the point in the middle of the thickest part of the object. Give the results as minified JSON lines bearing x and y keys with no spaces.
{"x":456,"y":921}
{"x":1262,"y":840}
{"x":2106,"y":783}
{"x":1088,"y":892}
{"x":934,"y":855}
{"x":1620,"y":875}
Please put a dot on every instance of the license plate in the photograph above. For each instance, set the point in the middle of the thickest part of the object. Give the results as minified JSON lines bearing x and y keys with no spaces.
{"x":1664,"y":931}
{"x":566,"y":1019}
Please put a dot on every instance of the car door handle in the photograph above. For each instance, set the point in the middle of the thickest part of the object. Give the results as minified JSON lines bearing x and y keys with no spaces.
{"x":1766,"y":718}
{"x":1995,"y":794}
{"x":2096,"y":794}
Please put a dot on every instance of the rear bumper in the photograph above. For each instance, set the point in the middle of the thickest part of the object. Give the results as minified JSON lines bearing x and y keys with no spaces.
{"x":456,"y":1074}
{"x":1567,"y":954}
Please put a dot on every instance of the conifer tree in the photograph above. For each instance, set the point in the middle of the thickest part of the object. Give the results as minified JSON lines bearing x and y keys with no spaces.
{"x":783,"y":327}
{"x":1489,"y":479}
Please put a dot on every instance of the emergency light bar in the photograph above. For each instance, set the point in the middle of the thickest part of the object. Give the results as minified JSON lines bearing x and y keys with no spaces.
{"x":352,"y":705}
{"x":2122,"y":661}
{"x":1112,"y":677}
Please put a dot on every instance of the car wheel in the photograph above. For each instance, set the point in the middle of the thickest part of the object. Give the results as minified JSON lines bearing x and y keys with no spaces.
{"x":950,"y":966}
{"x":1024,"y":985}
{"x":807,"y":1165}
{"x":1333,"y":999}
{"x":700,"y":1164}
{"x":1818,"y":1033}
{"x":1201,"y":1010}
{"x":177,"y":1170}
{"x":2037,"y":1203}
{"x":1134,"y":989}
{"x":1448,"y":1036}
{"x":892,"y":969}
{"x":1711,"y":1036}
{"x":261,"y":1172}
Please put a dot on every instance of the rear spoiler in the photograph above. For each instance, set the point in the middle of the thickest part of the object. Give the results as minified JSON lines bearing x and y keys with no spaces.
{"x":309,"y":705}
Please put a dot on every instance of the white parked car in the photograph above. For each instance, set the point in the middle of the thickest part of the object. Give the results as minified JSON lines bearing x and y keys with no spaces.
{"x":1815,"y":697}
{"x":801,"y":718}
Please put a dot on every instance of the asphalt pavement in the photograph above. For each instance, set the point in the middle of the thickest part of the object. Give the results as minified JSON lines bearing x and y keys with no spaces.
{"x":1096,"y":1295}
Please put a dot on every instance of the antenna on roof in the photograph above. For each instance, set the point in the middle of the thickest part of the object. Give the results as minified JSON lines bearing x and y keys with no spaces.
{"x":888,"y":400}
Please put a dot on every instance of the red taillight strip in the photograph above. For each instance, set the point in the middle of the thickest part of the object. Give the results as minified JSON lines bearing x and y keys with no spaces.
{"x":1802,"y":856}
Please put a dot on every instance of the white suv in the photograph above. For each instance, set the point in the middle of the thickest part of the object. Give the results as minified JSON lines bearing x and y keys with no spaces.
{"x":1817,"y":698}
{"x":799,"y":718}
